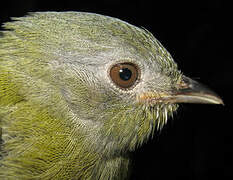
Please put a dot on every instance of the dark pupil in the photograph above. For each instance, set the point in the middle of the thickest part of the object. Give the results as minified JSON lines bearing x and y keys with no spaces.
{"x":125,"y":74}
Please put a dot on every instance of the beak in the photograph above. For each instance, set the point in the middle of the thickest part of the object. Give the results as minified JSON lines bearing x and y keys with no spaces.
{"x":190,"y":91}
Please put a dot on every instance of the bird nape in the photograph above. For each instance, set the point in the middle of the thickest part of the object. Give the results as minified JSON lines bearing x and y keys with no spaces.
{"x":80,"y":91}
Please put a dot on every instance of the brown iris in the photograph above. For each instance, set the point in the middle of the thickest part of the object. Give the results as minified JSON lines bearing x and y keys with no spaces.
{"x":124,"y":75}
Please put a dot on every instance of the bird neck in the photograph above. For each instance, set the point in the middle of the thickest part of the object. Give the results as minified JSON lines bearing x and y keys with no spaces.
{"x":113,"y":168}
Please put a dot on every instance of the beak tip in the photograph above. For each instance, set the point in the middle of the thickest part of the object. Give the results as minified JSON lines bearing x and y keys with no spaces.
{"x":221,"y":102}
{"x":218,"y":101}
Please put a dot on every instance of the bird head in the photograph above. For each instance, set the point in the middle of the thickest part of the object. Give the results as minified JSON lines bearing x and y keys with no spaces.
{"x":117,"y":79}
{"x":103,"y":78}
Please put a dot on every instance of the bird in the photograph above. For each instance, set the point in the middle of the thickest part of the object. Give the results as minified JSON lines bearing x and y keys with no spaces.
{"x":80,"y":91}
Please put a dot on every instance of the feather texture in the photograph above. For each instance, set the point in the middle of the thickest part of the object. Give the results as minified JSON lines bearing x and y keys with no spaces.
{"x":61,"y":115}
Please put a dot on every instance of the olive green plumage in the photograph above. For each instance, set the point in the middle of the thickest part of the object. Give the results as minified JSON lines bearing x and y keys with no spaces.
{"x":61,"y":115}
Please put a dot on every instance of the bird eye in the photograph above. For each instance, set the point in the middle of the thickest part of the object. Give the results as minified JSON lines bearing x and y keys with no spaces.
{"x":124,"y":75}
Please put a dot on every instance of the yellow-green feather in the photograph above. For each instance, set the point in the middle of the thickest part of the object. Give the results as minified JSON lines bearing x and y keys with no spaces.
{"x":58,"y":120}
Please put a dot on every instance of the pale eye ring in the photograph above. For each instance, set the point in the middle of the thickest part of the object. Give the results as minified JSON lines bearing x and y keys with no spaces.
{"x":125,"y":75}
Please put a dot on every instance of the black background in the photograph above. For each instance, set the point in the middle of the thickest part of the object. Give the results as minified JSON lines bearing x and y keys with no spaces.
{"x":198,"y":142}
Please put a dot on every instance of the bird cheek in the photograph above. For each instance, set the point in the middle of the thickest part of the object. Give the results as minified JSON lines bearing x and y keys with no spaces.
{"x":151,"y":98}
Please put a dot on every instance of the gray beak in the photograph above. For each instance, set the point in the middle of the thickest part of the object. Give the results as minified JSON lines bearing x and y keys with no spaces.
{"x":191,"y":91}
